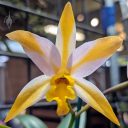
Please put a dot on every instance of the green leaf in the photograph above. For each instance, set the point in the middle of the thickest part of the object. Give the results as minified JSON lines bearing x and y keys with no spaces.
{"x":3,"y":126}
{"x":66,"y":120}
{"x":30,"y":121}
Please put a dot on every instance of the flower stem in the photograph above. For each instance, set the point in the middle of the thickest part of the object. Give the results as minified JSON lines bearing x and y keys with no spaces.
{"x":82,"y":110}
{"x":70,"y":107}
{"x":72,"y":115}
{"x":79,"y":105}
{"x":117,"y":87}
{"x":72,"y":120}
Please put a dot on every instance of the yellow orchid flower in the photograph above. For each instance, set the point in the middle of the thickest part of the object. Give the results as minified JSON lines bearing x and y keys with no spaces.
{"x":64,"y":68}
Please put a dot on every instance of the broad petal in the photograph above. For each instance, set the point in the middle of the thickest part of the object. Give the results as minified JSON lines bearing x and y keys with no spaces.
{"x":89,"y":93}
{"x":91,"y":55}
{"x":66,"y":34}
{"x":40,"y":50}
{"x":29,"y":95}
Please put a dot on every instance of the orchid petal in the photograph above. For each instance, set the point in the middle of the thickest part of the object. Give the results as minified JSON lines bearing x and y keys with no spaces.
{"x":29,"y":95}
{"x":91,"y":55}
{"x":89,"y":93}
{"x":41,"y":50}
{"x":66,"y":34}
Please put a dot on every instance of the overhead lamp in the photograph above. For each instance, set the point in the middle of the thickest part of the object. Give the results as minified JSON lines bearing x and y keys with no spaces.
{"x":94,"y":22}
{"x":119,"y":27}
{"x":3,"y":46}
{"x":121,"y":48}
{"x":14,"y":46}
{"x":80,"y":36}
{"x":4,"y":59}
{"x":80,"y":17}
{"x":123,"y":35}
{"x":52,"y":29}
{"x":108,"y":63}
{"x":125,"y":117}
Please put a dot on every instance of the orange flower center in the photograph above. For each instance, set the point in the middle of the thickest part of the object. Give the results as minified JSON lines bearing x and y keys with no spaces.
{"x":61,"y":90}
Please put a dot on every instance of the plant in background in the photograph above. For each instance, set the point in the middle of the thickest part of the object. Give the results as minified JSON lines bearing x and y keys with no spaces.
{"x":64,"y":68}
{"x":3,"y":126}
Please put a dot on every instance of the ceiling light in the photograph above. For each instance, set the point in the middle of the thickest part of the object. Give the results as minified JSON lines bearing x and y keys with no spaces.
{"x":125,"y":117}
{"x":119,"y":27}
{"x":80,"y":36}
{"x":120,"y":49}
{"x":123,"y":35}
{"x":108,"y":63}
{"x":4,"y":59}
{"x":94,"y":22}
{"x":3,"y":46}
{"x":80,"y":17}
{"x":52,"y":29}
{"x":14,"y":46}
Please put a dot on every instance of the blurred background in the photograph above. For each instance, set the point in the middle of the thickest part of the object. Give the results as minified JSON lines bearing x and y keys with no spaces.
{"x":94,"y":19}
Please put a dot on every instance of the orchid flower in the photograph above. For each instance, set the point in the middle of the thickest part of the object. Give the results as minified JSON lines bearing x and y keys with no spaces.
{"x":64,"y":68}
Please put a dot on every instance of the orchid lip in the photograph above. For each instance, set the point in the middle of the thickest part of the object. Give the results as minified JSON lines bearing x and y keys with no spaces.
{"x":61,"y":90}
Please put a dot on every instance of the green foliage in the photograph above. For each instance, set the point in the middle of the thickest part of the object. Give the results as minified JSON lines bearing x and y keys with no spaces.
{"x":3,"y":126}
{"x":65,"y":122}
{"x":30,"y":121}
